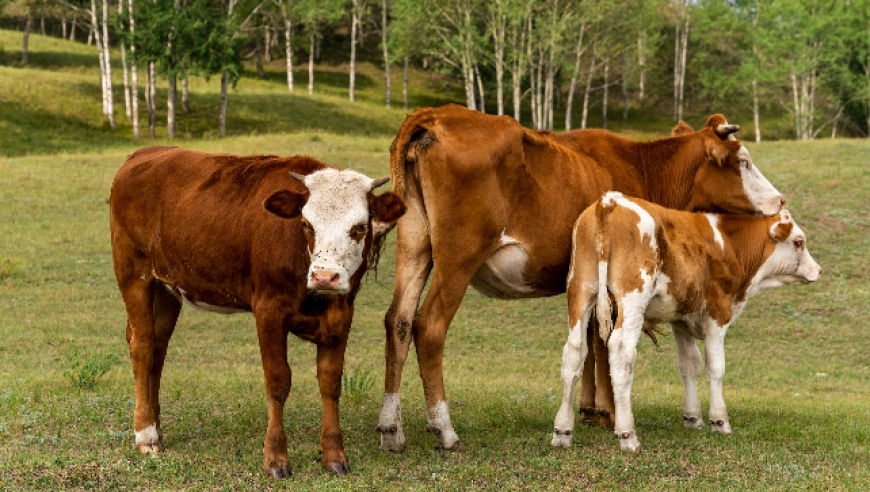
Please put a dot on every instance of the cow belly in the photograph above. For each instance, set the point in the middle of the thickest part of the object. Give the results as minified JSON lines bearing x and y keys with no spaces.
{"x":501,"y":275}
{"x":182,"y":295}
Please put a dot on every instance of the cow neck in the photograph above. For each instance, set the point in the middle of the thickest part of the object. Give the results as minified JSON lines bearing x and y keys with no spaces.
{"x":749,"y":238}
{"x":667,"y":178}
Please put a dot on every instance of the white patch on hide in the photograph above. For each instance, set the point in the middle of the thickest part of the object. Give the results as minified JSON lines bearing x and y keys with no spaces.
{"x":714,"y":224}
{"x":148,"y":435}
{"x":647,"y":224}
{"x":758,"y":189}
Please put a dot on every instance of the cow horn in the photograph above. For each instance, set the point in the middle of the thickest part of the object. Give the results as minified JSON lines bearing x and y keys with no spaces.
{"x":380,"y":182}
{"x":297,"y":177}
{"x":725,"y":129}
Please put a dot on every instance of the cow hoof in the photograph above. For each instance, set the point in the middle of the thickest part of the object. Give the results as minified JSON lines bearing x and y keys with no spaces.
{"x":720,"y":427}
{"x":693,"y":422}
{"x":337,"y":468}
{"x":149,"y":448}
{"x":628,"y":441}
{"x":456,"y":446}
{"x":278,"y":473}
{"x":606,"y":419}
{"x":392,"y":442}
{"x":562,"y":439}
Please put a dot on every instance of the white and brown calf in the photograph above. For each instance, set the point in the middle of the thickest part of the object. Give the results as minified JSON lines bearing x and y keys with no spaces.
{"x":692,"y":270}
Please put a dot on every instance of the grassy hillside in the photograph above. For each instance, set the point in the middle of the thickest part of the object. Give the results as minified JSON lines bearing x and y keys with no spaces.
{"x":798,"y":371}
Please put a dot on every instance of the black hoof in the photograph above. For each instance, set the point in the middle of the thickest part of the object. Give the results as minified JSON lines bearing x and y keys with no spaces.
{"x":278,"y":473}
{"x":337,"y":468}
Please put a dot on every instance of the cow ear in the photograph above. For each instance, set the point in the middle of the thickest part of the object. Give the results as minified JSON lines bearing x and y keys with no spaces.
{"x":286,"y":204}
{"x":780,"y":231}
{"x":387,"y":207}
{"x":724,"y":153}
{"x":682,"y":129}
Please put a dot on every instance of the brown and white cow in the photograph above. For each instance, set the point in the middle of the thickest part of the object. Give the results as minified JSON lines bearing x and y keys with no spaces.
{"x":284,"y":238}
{"x":492,"y":205}
{"x":695,"y":271}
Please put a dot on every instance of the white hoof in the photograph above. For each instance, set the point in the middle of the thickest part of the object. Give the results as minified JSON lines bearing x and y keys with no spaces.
{"x":562,"y":439}
{"x":693,"y":422}
{"x":628,"y":441}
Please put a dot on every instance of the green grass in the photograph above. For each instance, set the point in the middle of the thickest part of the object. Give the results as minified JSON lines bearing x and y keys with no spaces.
{"x":798,"y":373}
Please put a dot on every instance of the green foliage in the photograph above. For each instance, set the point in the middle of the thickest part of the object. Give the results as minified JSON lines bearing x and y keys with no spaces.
{"x":84,"y":368}
{"x":357,"y":387}
{"x":9,"y":267}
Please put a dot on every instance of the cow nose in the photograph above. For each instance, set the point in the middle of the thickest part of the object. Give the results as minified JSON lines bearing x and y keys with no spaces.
{"x":324,"y":280}
{"x":782,"y":203}
{"x":820,"y":272}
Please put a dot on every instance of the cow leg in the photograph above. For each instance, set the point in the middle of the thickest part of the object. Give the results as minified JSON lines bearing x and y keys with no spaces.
{"x":689,"y":362}
{"x":622,"y":349}
{"x":413,"y":264}
{"x":588,"y":412}
{"x":330,"y":365}
{"x":574,"y":356}
{"x":604,"y":404}
{"x":714,"y":346}
{"x":277,"y":379}
{"x":166,"y":310}
{"x":430,"y":333}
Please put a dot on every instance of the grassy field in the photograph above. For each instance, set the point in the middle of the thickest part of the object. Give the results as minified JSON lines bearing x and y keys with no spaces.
{"x":797,"y":382}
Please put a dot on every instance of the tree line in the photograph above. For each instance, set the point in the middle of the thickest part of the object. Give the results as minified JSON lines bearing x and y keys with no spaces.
{"x":809,"y":59}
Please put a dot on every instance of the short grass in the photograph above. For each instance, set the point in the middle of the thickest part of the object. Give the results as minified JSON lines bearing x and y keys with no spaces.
{"x":797,"y":384}
{"x":798,"y":376}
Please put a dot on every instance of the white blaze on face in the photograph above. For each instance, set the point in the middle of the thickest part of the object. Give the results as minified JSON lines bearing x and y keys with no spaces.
{"x":761,"y":193}
{"x":790,"y":261}
{"x":336,"y":204}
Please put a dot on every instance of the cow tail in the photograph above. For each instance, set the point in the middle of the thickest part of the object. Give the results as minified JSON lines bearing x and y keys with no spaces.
{"x":602,"y":242}
{"x":414,"y":125}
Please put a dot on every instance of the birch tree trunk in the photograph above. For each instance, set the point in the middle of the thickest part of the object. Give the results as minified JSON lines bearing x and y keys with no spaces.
{"x":641,"y":62}
{"x":405,"y":86}
{"x":569,"y":104}
{"x":134,"y":94}
{"x":625,"y":86}
{"x":482,"y":99}
{"x":268,"y":48}
{"x":127,"y":108}
{"x":353,"y":39}
{"x":683,"y":54}
{"x":184,"y":95}
{"x":72,"y":31}
{"x":222,"y":117}
{"x":387,"y":89}
{"x":498,"y":37}
{"x":288,"y":48}
{"x":27,"y":27}
{"x":110,"y":107}
{"x":152,"y":96}
{"x":588,"y":89}
{"x":755,"y":113}
{"x":63,"y":27}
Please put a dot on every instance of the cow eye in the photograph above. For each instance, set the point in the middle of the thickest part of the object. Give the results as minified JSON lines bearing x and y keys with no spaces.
{"x":359,"y":231}
{"x":798,"y":243}
{"x":744,"y":163}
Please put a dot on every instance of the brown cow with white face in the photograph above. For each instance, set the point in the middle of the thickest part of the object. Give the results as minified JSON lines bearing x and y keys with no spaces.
{"x":492,"y":205}
{"x":694,"y":271}
{"x":284,"y":238}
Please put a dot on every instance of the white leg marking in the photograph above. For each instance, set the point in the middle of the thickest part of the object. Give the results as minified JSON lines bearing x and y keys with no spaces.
{"x":573,"y":357}
{"x":689,"y":362}
{"x":714,"y":346}
{"x":439,"y":424}
{"x":148,"y":435}
{"x":390,"y":423}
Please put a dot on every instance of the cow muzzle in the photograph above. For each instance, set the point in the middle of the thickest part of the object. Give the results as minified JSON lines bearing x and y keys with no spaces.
{"x":324,"y":281}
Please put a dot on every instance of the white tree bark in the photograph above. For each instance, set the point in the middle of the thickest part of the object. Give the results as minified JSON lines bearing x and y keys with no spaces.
{"x":311,"y":64}
{"x":589,"y":76}
{"x":405,"y":86}
{"x":482,"y":94}
{"x":641,"y":62}
{"x":134,"y":93}
{"x":152,"y":99}
{"x":110,"y":107}
{"x":127,"y":108}
{"x":184,"y":95}
{"x":222,"y":117}
{"x":288,"y":47}
{"x":27,"y":28}
{"x":354,"y":33}
{"x":498,"y":26}
{"x":604,"y":98}
{"x":387,"y":89}
{"x":755,"y":113}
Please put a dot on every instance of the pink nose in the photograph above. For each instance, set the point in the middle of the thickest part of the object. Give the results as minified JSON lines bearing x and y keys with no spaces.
{"x":324,"y":280}
{"x":782,"y":203}
{"x":820,"y":272}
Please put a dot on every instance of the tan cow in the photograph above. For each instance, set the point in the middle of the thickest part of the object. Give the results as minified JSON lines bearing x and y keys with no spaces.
{"x":284,"y":238}
{"x":492,"y":205}
{"x":695,"y":271}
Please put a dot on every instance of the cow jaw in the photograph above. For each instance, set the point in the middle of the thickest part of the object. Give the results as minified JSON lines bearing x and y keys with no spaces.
{"x":336,"y":205}
{"x":764,"y":197}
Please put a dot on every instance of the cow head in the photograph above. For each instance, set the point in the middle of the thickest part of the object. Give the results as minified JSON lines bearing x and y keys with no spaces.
{"x":789,"y":260}
{"x":336,"y":214}
{"x":728,"y":181}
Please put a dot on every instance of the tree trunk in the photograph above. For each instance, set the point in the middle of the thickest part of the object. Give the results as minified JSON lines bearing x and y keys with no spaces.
{"x":63,"y":27}
{"x":72,"y":31}
{"x":127,"y":108}
{"x":26,"y":37}
{"x":184,"y":96}
{"x":152,"y":99}
{"x":222,"y":119}
{"x":480,"y":89}
{"x":91,"y":35}
{"x":311,"y":65}
{"x":683,"y":54}
{"x":268,"y":47}
{"x":498,"y":35}
{"x":110,"y":107}
{"x":641,"y":62}
{"x":588,"y":89}
{"x":170,"y":106}
{"x":468,"y":80}
{"x":604,"y":98}
{"x":387,"y":95}
{"x":134,"y":94}
{"x":353,"y":39}
{"x":288,"y":50}
{"x":95,"y":33}
{"x":755,"y":113}
{"x":42,"y":20}
{"x":405,"y":86}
